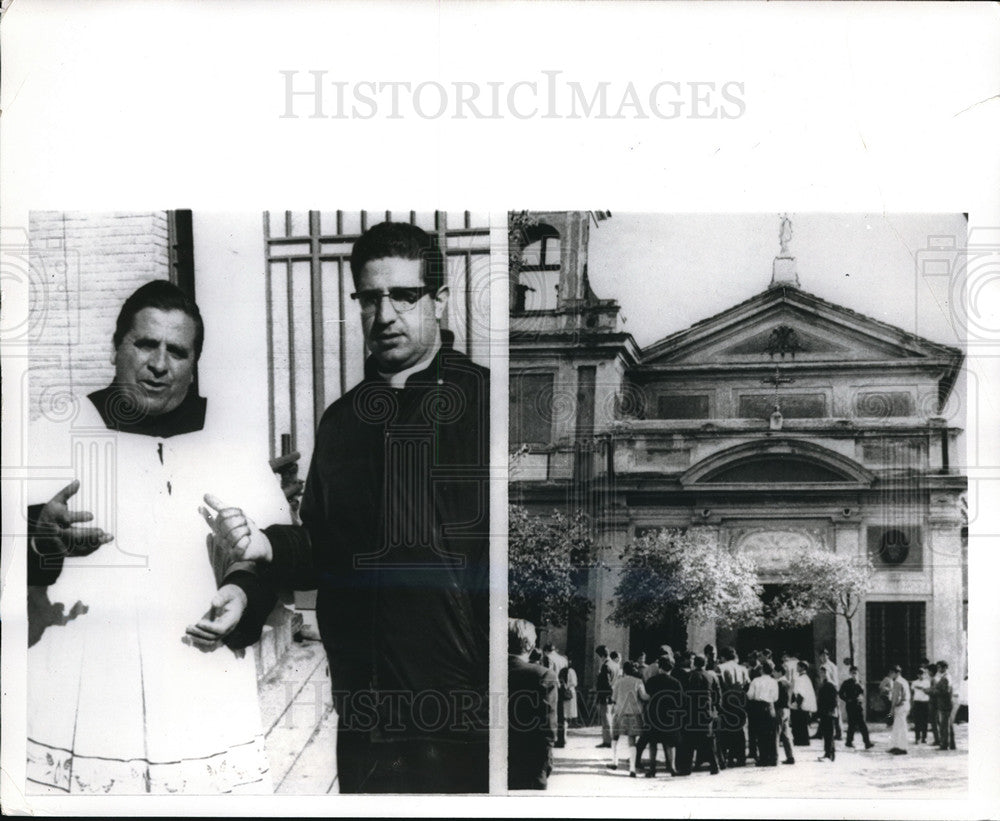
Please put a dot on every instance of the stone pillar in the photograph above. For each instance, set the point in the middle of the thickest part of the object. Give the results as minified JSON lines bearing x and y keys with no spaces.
{"x":944,"y":622}
{"x":575,"y":232}
{"x":603,"y":589}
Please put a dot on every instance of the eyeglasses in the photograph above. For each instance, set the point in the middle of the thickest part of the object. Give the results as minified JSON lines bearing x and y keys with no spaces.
{"x":401,"y":299}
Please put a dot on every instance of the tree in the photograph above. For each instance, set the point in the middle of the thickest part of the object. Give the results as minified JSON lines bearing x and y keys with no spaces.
{"x":689,"y":573}
{"x":819,"y":581}
{"x":546,"y":557}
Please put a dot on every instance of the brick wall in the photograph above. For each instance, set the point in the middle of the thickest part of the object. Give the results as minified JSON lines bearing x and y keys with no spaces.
{"x":83,"y":267}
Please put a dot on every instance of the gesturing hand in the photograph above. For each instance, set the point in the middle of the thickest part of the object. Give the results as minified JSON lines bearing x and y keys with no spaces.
{"x":221,"y":619}
{"x":235,"y":533}
{"x":57,"y":536}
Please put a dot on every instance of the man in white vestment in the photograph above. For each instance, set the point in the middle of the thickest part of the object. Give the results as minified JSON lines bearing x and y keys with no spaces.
{"x":137,"y":677}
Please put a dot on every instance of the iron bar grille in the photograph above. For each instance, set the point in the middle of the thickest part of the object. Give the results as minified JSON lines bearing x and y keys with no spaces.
{"x":315,"y":346}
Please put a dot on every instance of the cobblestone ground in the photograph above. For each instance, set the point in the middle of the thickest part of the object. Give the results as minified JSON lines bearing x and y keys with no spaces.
{"x":580,"y":770}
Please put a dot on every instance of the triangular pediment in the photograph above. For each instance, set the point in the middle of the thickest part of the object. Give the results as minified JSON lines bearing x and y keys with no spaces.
{"x":781,"y":337}
{"x":786,"y":324}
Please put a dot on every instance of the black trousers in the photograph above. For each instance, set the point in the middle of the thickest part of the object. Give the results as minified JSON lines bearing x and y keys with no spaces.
{"x":700,"y":742}
{"x":717,"y":747}
{"x":826,"y":725}
{"x":919,"y":711}
{"x":733,"y":745}
{"x":562,"y":722}
{"x":856,"y":722}
{"x":946,"y":728}
{"x":752,"y":751}
{"x":762,"y":723}
{"x":423,"y":765}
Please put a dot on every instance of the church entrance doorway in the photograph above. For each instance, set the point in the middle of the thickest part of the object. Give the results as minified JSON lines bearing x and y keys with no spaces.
{"x":801,"y":641}
{"x":670,"y":630}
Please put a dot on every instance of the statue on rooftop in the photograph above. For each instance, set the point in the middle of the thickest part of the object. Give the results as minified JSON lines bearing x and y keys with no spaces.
{"x":785,"y":234}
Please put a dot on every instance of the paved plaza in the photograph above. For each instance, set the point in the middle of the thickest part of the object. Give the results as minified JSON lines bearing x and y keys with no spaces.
{"x":925,"y":772}
{"x":301,"y":725}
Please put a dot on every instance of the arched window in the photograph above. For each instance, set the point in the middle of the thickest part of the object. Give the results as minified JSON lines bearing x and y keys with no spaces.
{"x":536,"y":288}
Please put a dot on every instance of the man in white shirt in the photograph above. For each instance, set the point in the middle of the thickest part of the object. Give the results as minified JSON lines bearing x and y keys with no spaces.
{"x":761,"y":696}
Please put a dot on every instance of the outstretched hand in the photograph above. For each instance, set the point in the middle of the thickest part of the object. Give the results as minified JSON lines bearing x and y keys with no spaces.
{"x":57,"y":534}
{"x":221,"y":619}
{"x":235,"y":533}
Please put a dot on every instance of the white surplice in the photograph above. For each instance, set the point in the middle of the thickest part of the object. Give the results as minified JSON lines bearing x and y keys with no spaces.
{"x":118,"y":701}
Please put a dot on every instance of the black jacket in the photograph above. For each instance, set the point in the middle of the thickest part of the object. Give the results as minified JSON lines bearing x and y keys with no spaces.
{"x":826,"y":698}
{"x":703,"y":694}
{"x":395,"y":537}
{"x":849,"y":692}
{"x":665,"y":711}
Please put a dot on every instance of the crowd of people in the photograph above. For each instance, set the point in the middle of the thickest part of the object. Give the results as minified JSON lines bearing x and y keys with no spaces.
{"x":701,"y":709}
{"x":716,"y":711}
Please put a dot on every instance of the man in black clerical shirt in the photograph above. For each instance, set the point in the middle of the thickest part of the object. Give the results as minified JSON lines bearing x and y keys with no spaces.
{"x":394,"y":535}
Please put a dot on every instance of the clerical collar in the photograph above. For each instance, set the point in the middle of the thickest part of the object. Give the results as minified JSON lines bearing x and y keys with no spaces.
{"x":118,"y":411}
{"x":398,"y":380}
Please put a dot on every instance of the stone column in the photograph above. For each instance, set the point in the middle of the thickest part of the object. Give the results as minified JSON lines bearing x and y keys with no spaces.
{"x":944,"y":554}
{"x":604,"y":582}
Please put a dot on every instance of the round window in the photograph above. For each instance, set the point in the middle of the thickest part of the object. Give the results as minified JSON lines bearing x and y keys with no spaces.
{"x":895,"y":547}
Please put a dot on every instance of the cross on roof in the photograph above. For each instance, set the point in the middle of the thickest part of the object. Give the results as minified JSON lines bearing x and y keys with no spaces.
{"x":777,"y":379}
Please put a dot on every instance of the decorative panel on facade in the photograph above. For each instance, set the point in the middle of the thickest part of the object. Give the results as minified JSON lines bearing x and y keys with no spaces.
{"x":531,"y":408}
{"x":900,"y":453}
{"x":773,"y":547}
{"x":895,"y":547}
{"x":793,"y":406}
{"x":774,"y":469}
{"x":674,"y":406}
{"x":883,"y":404}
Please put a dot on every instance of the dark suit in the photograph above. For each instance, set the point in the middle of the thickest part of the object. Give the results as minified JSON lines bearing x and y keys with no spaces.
{"x":851,"y":692}
{"x":606,"y":676}
{"x":826,"y":707}
{"x":395,"y":538}
{"x":532,"y":704}
{"x":702,"y":696}
{"x":664,"y":716}
{"x":945,"y":695}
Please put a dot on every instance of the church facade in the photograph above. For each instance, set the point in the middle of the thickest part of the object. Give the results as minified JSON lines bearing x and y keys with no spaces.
{"x":784,"y":422}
